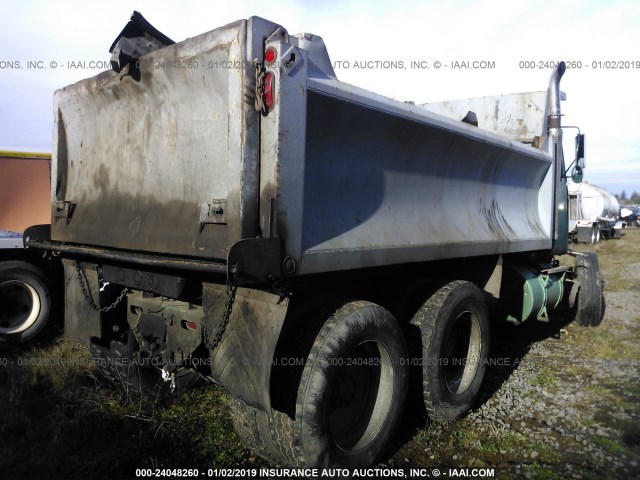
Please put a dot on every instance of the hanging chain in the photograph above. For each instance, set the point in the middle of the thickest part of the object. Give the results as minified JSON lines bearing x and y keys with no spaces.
{"x":260,"y":73}
{"x":226,"y":317}
{"x":89,"y":298}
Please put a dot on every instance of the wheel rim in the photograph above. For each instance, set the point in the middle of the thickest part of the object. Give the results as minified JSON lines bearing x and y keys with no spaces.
{"x":461,"y":353}
{"x":358,"y":402}
{"x":21,"y":306}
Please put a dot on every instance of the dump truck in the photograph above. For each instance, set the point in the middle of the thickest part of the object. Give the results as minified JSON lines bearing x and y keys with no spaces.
{"x":226,"y":208}
{"x":594,"y":213}
{"x":29,"y":296}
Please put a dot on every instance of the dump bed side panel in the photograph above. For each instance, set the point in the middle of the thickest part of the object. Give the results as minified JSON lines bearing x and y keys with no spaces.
{"x":167,"y":164}
{"x":518,"y":116}
{"x":385,"y":187}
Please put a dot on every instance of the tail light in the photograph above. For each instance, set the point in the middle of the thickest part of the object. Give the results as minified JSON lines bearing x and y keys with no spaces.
{"x":265,"y":82}
{"x":270,"y":56}
{"x":268,"y":90}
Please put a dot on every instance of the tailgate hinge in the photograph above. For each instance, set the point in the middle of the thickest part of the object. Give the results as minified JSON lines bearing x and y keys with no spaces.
{"x":64,"y":210}
{"x":213,"y":213}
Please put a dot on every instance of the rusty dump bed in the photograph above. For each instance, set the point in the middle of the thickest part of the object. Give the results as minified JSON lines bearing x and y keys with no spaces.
{"x":143,"y":166}
{"x":180,"y":163}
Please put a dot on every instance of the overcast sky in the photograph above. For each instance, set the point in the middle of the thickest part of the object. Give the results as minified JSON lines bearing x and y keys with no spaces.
{"x":603,"y":101}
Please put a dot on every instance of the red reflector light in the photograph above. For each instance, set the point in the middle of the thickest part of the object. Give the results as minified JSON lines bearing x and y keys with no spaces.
{"x":270,"y":55}
{"x":189,"y":325}
{"x":268,"y":90}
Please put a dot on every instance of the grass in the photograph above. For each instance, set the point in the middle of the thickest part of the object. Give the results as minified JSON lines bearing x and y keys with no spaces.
{"x":610,"y":444}
{"x":588,"y":422}
{"x":619,"y":261}
{"x":60,"y":421}
{"x":615,"y":256}
{"x":545,"y":378}
{"x":541,"y":472}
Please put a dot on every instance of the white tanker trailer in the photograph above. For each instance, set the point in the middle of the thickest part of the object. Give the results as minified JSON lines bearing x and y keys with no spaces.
{"x":593,"y":213}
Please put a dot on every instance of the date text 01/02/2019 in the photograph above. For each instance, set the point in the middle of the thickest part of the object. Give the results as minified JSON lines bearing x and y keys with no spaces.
{"x":579,"y":64}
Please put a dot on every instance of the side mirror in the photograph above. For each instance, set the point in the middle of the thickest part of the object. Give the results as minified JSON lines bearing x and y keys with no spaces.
{"x":577,"y":174}
{"x":580,"y":151}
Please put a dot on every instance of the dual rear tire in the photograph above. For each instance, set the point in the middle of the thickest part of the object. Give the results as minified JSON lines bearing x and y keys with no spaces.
{"x":454,"y":329}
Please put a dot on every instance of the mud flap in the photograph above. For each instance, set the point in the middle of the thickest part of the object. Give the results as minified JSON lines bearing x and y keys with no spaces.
{"x":81,"y":322}
{"x":242,"y":361}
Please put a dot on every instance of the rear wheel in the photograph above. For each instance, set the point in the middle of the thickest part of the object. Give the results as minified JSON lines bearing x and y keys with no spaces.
{"x":590,"y":305}
{"x":26,"y":301}
{"x":455,"y":344}
{"x":353,"y":388}
{"x":350,"y":397}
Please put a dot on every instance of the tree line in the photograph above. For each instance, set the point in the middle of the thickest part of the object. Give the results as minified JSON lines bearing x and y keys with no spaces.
{"x":623,"y":198}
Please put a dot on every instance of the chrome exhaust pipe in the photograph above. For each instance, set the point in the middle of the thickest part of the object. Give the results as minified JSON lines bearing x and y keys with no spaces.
{"x":554,"y":95}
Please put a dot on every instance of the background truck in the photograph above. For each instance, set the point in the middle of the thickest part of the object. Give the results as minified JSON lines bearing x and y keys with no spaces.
{"x":225,"y":207}
{"x":28,"y":294}
{"x":630,"y":215}
{"x":594,"y":213}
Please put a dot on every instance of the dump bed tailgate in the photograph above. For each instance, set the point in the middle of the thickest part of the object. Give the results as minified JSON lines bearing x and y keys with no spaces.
{"x":166,"y":164}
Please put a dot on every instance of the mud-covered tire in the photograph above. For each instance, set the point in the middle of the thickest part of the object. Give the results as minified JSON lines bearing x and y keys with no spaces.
{"x":269,"y":435}
{"x":454,"y":329}
{"x":119,"y":365}
{"x":353,"y":388}
{"x":590,"y":304}
{"x":25,"y":297}
{"x":349,"y":399}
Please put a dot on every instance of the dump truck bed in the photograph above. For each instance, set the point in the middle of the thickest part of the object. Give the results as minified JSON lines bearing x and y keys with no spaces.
{"x":143,"y":163}
{"x":180,"y":163}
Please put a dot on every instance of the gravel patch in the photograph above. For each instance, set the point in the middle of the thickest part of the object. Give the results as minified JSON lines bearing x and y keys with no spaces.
{"x":561,"y":401}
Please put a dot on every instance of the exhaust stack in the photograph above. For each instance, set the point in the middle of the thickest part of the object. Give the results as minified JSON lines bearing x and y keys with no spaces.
{"x":560,"y":196}
{"x":554,"y":95}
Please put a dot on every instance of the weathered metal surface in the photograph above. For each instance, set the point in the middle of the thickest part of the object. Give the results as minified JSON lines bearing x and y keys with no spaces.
{"x":518,"y":116}
{"x":38,"y":237}
{"x":137,"y":38}
{"x":139,"y":159}
{"x":254,"y":260}
{"x":167,"y":285}
{"x":384,"y":183}
{"x":182,"y":164}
